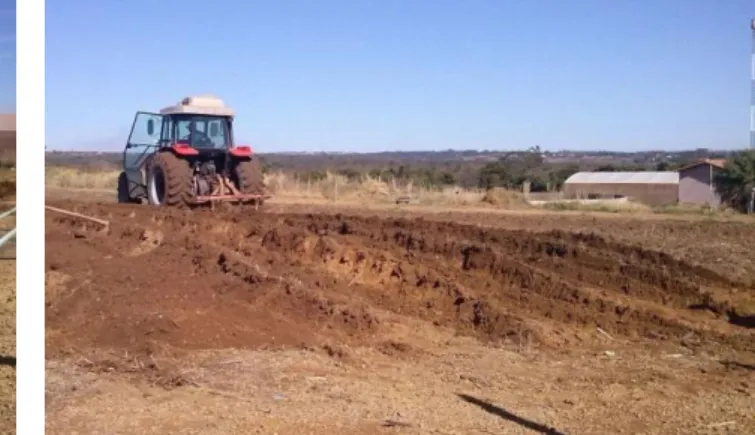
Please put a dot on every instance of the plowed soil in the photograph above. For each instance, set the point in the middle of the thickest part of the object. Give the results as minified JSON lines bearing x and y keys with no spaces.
{"x":156,"y":288}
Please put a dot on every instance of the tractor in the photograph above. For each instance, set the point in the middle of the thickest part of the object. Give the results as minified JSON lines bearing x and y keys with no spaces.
{"x":186,"y":156}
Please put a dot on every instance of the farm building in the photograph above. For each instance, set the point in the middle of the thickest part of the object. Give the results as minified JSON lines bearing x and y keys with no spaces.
{"x":651,"y":188}
{"x":696,"y":184}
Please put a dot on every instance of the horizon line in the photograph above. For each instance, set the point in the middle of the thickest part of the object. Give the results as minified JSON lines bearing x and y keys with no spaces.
{"x":450,"y":150}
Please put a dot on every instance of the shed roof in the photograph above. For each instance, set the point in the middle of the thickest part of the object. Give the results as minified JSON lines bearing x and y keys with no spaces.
{"x":666,"y":177}
{"x":719,"y":163}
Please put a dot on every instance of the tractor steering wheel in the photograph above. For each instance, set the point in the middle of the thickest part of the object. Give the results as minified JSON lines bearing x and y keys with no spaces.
{"x":205,"y":141}
{"x":200,"y":139}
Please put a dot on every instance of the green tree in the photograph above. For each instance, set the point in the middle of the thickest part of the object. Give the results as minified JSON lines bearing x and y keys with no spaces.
{"x":375,"y":173}
{"x":606,"y":168}
{"x":557,"y":176}
{"x":736,"y":181}
{"x":512,"y":169}
{"x":447,"y":179}
{"x":662,"y":166}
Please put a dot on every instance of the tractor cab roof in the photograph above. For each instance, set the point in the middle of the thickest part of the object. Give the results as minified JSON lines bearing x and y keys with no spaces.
{"x":199,"y":105}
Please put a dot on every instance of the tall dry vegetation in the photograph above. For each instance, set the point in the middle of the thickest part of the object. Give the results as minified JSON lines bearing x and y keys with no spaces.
{"x":74,"y":178}
{"x":332,"y":187}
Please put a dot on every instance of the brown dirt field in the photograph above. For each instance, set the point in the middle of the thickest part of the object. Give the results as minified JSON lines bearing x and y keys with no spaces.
{"x":304,"y":320}
{"x":7,"y":330}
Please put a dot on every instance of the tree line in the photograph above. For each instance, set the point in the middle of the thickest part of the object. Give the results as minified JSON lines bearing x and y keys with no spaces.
{"x":543,"y":171}
{"x":735,"y":183}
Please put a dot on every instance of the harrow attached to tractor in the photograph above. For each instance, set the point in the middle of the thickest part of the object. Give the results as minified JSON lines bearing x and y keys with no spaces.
{"x":185,"y":155}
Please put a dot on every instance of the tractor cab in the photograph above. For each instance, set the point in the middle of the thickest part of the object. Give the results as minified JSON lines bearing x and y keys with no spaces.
{"x":202,"y":123}
{"x":200,"y":132}
{"x":193,"y":141}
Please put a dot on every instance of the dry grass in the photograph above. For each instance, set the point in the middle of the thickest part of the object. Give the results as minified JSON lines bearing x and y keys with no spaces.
{"x":598,"y":206}
{"x":633,"y":207}
{"x":7,"y":185}
{"x":369,"y":191}
{"x":505,"y":198}
{"x":337,"y":188}
{"x":73,"y":178}
{"x":693,"y":209}
{"x":332,"y":188}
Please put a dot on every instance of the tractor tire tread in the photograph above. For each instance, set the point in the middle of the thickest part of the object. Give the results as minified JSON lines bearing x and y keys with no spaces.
{"x":177,"y":177}
{"x":250,"y":177}
{"x":123,"y":189}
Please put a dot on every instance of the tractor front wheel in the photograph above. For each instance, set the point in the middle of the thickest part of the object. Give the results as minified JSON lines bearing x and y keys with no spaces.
{"x":124,"y":197}
{"x":169,"y":180}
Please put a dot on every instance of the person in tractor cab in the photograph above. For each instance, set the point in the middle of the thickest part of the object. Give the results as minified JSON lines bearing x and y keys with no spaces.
{"x":197,"y":138}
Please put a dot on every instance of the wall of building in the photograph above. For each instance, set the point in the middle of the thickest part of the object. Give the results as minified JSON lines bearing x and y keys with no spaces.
{"x":650,"y":194}
{"x":696,"y":186}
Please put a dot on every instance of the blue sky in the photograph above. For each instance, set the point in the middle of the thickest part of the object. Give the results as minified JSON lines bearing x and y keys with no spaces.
{"x":7,"y":56}
{"x":358,"y":75}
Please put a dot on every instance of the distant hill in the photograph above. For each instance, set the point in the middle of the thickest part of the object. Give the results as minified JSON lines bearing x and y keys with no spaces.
{"x":394,"y":158}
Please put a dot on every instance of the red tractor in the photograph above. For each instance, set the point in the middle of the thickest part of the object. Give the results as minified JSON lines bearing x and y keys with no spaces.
{"x":186,"y":155}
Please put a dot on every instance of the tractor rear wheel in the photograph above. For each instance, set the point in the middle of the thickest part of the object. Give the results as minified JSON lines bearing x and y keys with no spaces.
{"x":169,"y":180}
{"x":250,"y":178}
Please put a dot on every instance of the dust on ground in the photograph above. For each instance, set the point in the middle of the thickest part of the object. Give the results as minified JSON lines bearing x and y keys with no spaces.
{"x":319,"y":322}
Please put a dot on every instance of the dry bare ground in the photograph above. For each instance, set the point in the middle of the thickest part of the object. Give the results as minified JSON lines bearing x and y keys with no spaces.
{"x":323,"y":318}
{"x":7,"y":277}
{"x":7,"y":340}
{"x":7,"y":315}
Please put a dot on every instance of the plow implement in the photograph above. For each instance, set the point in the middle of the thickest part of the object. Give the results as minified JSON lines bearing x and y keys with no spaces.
{"x":224,"y":190}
